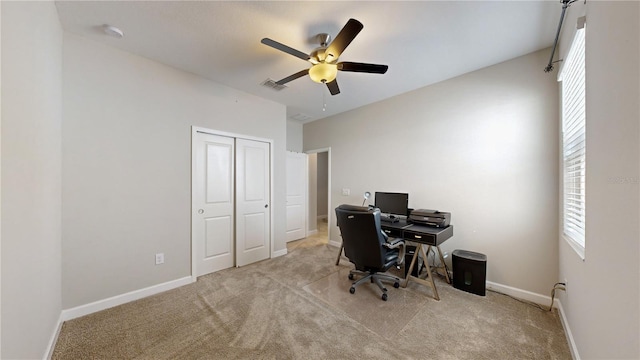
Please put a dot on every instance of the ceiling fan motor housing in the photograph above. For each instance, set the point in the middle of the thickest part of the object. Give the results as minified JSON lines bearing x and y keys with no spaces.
{"x":318,"y":54}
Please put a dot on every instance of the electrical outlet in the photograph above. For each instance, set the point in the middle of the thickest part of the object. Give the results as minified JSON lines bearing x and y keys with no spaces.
{"x":346,"y":192}
{"x":159,"y":258}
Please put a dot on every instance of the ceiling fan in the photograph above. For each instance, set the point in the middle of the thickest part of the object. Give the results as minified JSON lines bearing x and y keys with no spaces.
{"x":325,"y":58}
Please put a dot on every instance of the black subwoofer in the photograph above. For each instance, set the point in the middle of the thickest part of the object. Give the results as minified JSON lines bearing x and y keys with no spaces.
{"x":469,"y":271}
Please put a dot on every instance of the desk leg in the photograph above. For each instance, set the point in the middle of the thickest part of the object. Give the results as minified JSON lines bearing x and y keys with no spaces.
{"x":446,"y":273}
{"x":429,"y":279}
{"x":339,"y":254}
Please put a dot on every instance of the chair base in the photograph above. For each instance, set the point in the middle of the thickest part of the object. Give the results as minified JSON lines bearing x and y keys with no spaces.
{"x":375,"y":278}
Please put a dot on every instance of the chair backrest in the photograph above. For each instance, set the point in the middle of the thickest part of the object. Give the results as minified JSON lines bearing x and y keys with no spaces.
{"x":362,"y":236}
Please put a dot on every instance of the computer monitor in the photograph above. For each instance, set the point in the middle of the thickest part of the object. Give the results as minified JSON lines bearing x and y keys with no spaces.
{"x":392,"y":203}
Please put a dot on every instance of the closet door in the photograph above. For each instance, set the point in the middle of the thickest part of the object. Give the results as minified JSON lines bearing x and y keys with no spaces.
{"x":253,"y":220}
{"x":213,"y":203}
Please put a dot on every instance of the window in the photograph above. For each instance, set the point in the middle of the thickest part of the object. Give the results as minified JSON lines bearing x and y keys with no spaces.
{"x":572,"y":78}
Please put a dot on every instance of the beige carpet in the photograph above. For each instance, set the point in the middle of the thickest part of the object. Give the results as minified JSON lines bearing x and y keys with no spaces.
{"x":298,"y":307}
{"x":386,"y":318}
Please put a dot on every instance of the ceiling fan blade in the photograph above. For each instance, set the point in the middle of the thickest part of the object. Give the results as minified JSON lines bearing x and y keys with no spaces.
{"x":343,"y":39}
{"x":362,"y":67}
{"x":299,"y":74}
{"x":333,"y":87}
{"x":291,"y":51}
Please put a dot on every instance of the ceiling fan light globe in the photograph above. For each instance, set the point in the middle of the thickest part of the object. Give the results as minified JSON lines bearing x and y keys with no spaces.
{"x":323,"y":72}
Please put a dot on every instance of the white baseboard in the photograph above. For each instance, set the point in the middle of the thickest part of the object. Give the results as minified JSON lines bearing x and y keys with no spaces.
{"x":312,"y":232}
{"x":521,"y":294}
{"x":335,"y":243}
{"x":100,"y":305}
{"x":279,"y":253}
{"x":54,"y":339}
{"x":567,"y":331}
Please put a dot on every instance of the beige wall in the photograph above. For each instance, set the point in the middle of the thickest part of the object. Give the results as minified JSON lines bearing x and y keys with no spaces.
{"x":31,"y":177}
{"x":294,"y":136}
{"x":127,"y":166}
{"x":482,"y":146}
{"x":602,"y":299}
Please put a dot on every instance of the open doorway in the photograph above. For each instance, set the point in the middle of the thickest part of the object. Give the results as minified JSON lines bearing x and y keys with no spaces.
{"x":319,"y":200}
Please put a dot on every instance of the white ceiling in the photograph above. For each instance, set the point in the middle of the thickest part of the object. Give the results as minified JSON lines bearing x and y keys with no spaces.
{"x":423,"y":42}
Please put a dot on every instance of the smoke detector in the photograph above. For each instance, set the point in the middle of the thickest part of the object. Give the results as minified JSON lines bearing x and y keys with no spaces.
{"x":113,"y":31}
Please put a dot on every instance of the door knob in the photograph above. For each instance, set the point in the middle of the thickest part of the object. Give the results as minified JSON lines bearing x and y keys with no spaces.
{"x":266,"y":206}
{"x":200,"y":211}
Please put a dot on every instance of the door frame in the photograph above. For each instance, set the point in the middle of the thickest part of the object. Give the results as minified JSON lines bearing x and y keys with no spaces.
{"x":194,"y":131}
{"x":329,"y":213}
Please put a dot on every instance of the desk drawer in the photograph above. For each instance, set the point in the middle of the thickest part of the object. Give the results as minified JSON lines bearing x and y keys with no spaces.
{"x":393,"y":232}
{"x":420,"y":237}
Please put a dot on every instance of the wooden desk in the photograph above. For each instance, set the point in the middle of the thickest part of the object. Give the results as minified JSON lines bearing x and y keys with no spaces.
{"x":423,"y":236}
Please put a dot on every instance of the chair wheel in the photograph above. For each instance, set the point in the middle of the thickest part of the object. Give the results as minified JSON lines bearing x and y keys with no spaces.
{"x":352,"y":290}
{"x":384,"y":297}
{"x":396,"y":284}
{"x":351,"y":276}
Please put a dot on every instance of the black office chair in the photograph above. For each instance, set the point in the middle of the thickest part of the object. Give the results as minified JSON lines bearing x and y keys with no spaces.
{"x":368,"y":247}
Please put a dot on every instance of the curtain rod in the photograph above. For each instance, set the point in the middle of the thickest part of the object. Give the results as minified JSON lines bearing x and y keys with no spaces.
{"x":565,"y":5}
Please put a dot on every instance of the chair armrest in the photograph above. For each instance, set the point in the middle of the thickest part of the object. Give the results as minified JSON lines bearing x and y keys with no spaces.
{"x":393,"y":243}
{"x":396,"y":243}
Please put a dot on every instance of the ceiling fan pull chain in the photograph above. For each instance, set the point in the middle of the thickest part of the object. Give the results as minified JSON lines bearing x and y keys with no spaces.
{"x":324,"y":100}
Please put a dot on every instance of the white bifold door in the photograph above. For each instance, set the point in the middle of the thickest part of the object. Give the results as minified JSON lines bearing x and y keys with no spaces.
{"x":252,"y":202}
{"x":230,"y":202}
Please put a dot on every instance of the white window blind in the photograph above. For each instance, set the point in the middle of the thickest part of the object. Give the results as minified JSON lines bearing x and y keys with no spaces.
{"x":572,"y":80}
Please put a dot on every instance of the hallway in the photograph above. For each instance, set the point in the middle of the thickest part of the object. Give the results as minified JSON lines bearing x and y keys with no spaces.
{"x":318,"y":238}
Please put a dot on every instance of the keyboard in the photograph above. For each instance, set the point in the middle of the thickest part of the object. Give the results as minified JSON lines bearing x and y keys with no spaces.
{"x":389,"y":219}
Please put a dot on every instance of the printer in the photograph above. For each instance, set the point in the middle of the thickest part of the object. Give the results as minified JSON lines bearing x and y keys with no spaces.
{"x":430,"y":217}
